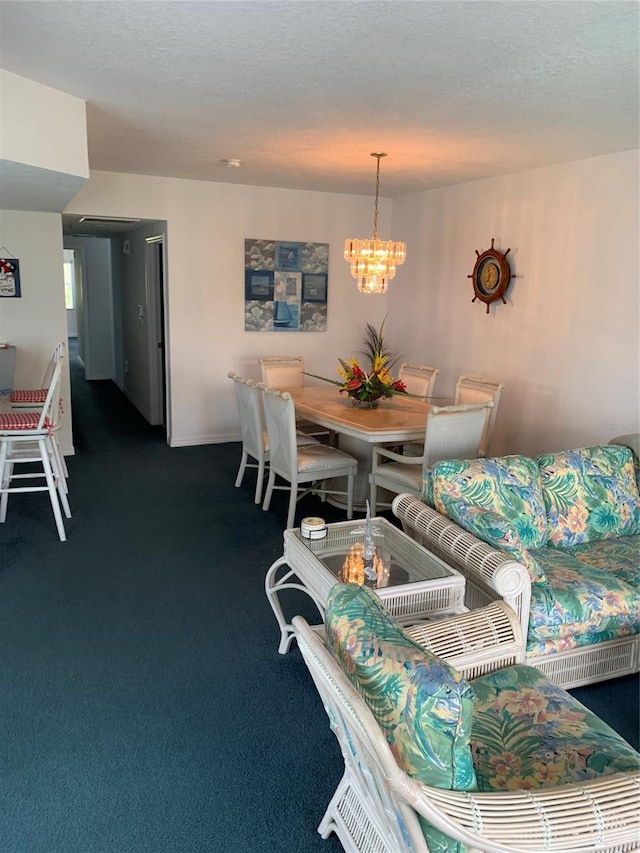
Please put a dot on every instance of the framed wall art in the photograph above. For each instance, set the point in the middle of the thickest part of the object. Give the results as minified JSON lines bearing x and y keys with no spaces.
{"x":10,"y":278}
{"x":285,"y":286}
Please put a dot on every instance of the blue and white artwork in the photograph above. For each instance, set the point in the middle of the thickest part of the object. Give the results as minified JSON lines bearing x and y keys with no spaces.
{"x":285,"y":286}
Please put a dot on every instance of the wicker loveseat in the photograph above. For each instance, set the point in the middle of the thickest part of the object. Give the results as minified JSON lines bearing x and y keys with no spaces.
{"x":558,"y":538}
{"x":436,"y":763}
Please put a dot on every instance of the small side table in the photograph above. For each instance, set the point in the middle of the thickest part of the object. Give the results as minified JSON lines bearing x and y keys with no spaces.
{"x":413,"y":583}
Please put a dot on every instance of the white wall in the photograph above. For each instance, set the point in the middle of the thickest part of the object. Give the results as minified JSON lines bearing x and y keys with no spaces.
{"x":95,"y":307}
{"x":37,"y":321}
{"x":567,"y":343}
{"x":42,"y":127}
{"x":207,"y":224}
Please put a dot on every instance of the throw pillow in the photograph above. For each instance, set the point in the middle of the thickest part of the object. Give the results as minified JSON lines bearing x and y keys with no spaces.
{"x":507,"y":485}
{"x":423,"y":705}
{"x":497,"y":531}
{"x":590,"y":494}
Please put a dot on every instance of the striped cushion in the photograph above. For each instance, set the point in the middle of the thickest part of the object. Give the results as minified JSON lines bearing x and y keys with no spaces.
{"x":28,"y":395}
{"x":22,"y":420}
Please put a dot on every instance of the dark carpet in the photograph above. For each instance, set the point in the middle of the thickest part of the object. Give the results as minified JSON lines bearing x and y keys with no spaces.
{"x":144,"y":704}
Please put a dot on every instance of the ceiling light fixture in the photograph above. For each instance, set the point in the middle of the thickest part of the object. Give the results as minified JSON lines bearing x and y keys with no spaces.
{"x":373,"y":262}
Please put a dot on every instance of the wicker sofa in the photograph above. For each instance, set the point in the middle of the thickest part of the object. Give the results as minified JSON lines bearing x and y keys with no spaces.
{"x":558,"y":538}
{"x":450,"y":744}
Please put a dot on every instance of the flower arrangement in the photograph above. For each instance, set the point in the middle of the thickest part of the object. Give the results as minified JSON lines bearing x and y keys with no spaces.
{"x":368,"y":386}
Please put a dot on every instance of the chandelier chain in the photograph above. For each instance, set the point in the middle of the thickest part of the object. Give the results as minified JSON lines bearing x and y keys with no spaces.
{"x":375,"y":209}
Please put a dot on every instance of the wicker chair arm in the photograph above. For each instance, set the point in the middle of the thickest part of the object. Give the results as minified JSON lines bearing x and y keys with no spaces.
{"x":494,"y":571}
{"x":599,"y":815}
{"x":476,"y":642}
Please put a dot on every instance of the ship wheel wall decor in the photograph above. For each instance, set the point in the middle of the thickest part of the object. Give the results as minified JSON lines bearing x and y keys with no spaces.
{"x":491,"y":275}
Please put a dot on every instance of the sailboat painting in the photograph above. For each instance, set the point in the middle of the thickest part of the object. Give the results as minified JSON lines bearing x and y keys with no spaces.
{"x":285,"y":286}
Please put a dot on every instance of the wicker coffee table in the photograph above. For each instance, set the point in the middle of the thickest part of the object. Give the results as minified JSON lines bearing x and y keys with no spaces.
{"x":411,"y":581}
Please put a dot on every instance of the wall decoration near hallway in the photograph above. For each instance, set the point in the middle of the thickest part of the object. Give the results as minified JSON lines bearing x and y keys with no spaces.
{"x":285,"y":286}
{"x":10,"y":277}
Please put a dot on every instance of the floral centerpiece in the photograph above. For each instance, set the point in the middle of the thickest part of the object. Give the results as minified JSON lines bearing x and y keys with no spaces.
{"x":368,"y":386}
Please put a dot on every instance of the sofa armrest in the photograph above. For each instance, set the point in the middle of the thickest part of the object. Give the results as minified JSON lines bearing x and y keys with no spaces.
{"x":476,"y":642}
{"x":490,"y":574}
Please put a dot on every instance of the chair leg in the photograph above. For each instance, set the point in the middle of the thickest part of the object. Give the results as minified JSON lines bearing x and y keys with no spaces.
{"x":373,"y":494}
{"x":267,"y":495}
{"x":242,"y":468}
{"x":351,"y":479}
{"x":259,"y":481}
{"x":59,"y":457}
{"x":59,"y":478}
{"x":293,"y":500}
{"x":5,"y":477}
{"x":53,"y":492}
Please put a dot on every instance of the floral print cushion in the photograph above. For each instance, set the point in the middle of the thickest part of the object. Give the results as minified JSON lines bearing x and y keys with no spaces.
{"x":578,"y":601}
{"x":423,"y":705}
{"x":508,"y":485}
{"x":620,"y":556}
{"x":497,"y":531}
{"x":590,"y":494}
{"x":528,"y":733}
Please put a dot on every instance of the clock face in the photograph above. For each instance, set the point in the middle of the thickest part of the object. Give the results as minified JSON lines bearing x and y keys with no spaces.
{"x":488,"y":276}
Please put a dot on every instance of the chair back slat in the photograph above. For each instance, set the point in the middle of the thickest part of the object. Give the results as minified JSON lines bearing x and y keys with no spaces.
{"x":282,"y":372}
{"x":475,"y":389}
{"x":418,"y":379}
{"x":58,"y":352}
{"x":455,"y":432}
{"x":280,"y":417}
{"x":251,"y":419}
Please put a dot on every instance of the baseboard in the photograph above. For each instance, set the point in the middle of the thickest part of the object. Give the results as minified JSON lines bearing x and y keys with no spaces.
{"x":204,"y":439}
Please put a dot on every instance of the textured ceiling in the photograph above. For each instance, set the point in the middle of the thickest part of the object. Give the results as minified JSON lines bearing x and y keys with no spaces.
{"x":301,"y":92}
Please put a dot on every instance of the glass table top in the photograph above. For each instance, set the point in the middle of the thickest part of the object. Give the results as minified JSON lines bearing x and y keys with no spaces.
{"x":398,"y":559}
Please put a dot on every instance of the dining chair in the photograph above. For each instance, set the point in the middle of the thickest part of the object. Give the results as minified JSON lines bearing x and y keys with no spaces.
{"x":34,"y":398}
{"x":255,"y":441}
{"x":452,"y":432}
{"x":282,"y":371}
{"x":287,"y":371}
{"x":28,"y":437}
{"x":475,"y":389}
{"x":315,"y":463}
{"x":418,"y":379}
{"x":31,"y":398}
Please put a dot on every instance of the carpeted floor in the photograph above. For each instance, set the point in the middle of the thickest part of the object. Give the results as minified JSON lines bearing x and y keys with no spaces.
{"x":144,"y":706}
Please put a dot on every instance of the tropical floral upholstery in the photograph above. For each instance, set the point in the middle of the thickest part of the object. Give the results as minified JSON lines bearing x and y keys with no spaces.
{"x":572,"y":519}
{"x":509,"y":486}
{"x":528,"y":733}
{"x":497,"y":531}
{"x":590,"y":494}
{"x":579,"y":604}
{"x":509,"y":730}
{"x":620,"y":557}
{"x":423,"y":705}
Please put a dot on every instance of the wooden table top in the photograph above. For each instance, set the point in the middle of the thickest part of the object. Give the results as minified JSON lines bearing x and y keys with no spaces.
{"x":397,"y":419}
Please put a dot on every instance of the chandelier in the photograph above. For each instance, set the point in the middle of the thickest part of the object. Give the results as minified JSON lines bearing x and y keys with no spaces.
{"x":373,"y":262}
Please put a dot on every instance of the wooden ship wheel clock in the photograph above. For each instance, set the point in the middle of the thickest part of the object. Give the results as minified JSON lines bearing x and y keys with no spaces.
{"x":491,"y":275}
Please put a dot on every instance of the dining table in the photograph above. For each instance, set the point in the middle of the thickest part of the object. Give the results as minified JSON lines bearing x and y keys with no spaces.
{"x":396,"y":420}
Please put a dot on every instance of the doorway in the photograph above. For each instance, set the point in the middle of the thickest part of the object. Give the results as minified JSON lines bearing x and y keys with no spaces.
{"x":133,"y":323}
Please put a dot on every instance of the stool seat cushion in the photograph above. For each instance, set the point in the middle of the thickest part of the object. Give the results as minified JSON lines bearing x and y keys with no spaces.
{"x":28,"y":395}
{"x":14,"y":421}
